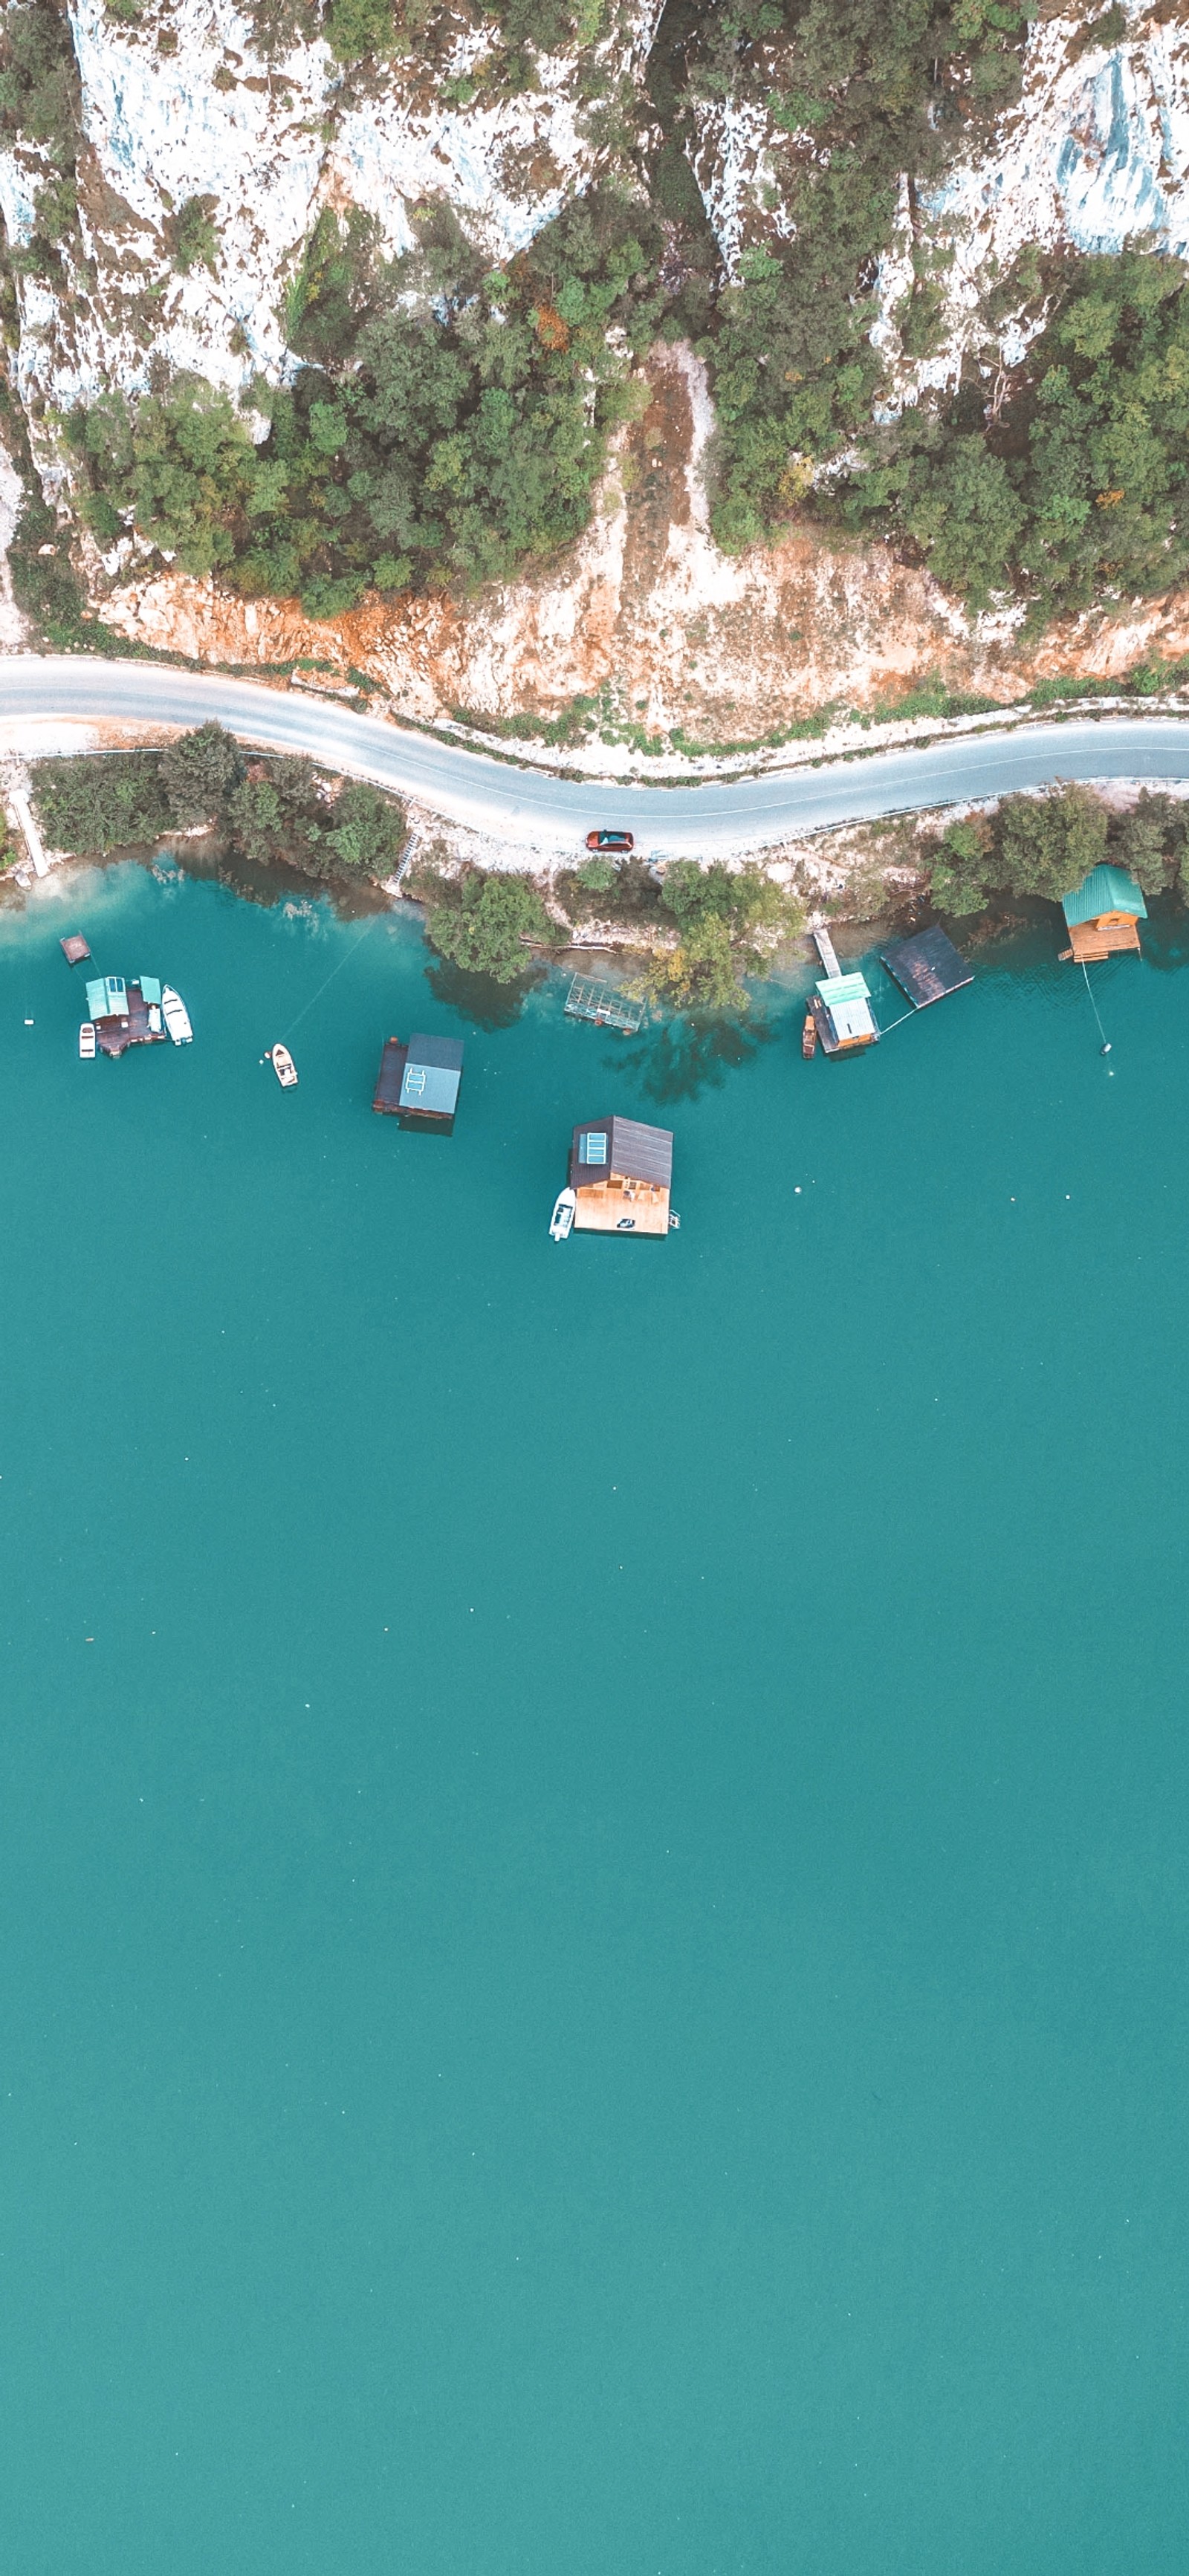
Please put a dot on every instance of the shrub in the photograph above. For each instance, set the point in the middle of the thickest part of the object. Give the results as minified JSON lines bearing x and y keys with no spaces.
{"x":191,"y":235}
{"x":597,"y":876}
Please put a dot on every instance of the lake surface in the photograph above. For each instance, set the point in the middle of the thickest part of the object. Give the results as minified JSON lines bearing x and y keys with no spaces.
{"x":592,"y":1840}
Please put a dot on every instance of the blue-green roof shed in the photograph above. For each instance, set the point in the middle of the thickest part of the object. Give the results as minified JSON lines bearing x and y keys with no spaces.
{"x":1106,"y":889}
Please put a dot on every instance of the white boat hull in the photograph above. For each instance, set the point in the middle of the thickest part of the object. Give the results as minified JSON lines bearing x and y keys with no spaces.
{"x":175,"y":1016}
{"x":564,"y":1212}
{"x":86,"y":1041}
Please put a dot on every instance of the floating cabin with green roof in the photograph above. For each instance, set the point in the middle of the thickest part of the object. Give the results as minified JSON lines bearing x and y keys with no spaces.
{"x":1103,"y":915}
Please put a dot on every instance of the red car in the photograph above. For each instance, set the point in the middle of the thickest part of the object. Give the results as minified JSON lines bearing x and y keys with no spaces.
{"x":610,"y":841}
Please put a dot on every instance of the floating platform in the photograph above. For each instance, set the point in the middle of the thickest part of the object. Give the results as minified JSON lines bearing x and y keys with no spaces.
{"x":1103,"y":915}
{"x":605,"y":1004}
{"x":621,"y":1173}
{"x":419,"y":1082}
{"x":75,"y":949}
{"x":927,"y":968}
{"x":126,"y":1014}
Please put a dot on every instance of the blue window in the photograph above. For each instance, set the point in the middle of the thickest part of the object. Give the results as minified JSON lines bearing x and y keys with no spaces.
{"x":596,"y":1149}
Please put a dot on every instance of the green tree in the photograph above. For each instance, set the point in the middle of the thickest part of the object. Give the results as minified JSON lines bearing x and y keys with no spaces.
{"x":967,"y":518}
{"x":199,"y":771}
{"x":254,"y":813}
{"x":357,"y":28}
{"x":487,"y":930}
{"x":747,"y":899}
{"x":702,"y":972}
{"x":368,"y":832}
{"x":91,"y":806}
{"x":1046,"y":844}
{"x":961,"y":874}
{"x":1150,"y":841}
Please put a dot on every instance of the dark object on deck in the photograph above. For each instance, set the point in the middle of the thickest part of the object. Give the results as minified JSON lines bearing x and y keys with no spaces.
{"x":419,"y":1083}
{"x":75,"y":949}
{"x":927,"y":968}
{"x":809,"y":1035}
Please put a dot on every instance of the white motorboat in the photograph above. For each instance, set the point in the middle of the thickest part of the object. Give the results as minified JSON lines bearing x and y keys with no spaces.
{"x":283,"y":1066}
{"x":86,"y":1040}
{"x":175,"y":1016}
{"x":565,"y":1210}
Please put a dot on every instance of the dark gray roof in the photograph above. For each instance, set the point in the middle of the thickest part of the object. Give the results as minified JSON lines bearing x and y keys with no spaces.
{"x":634,"y":1152}
{"x":927,"y":967}
{"x":446,"y":1052}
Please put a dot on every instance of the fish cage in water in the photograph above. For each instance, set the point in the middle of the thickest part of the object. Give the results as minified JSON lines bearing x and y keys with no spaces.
{"x":605,"y":1004}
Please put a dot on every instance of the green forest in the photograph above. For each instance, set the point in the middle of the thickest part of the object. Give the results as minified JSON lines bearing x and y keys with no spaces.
{"x":275,"y":810}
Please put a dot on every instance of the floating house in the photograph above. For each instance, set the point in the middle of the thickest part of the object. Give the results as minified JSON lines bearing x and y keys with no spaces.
{"x":419,"y":1082}
{"x":927,"y":968}
{"x":840,"y":1006}
{"x":125,"y":1014}
{"x":621,"y":1174}
{"x":1103,"y":915}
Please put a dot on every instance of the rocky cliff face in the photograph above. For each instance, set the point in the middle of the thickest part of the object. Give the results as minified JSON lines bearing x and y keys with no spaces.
{"x":165,"y":232}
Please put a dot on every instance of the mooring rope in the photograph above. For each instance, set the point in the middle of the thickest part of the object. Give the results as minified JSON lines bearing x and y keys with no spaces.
{"x":335,"y":970}
{"x":1106,"y":1044}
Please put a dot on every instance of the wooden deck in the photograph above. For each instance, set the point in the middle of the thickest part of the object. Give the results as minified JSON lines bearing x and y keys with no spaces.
{"x":604,"y":1211}
{"x":386,"y":1097}
{"x":1096,"y":939}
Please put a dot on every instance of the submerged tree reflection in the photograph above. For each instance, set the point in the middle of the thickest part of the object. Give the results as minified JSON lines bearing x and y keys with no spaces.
{"x":686,"y":1055}
{"x":478,"y":998}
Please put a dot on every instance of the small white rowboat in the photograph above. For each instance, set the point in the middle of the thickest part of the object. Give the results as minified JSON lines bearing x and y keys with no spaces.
{"x":86,"y":1040}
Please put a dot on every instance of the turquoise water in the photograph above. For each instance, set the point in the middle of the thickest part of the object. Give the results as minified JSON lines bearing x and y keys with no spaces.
{"x":592,"y":1841}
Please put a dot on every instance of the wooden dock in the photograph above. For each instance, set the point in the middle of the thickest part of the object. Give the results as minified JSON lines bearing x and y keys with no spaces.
{"x":391,"y":1075}
{"x":1093,"y":940}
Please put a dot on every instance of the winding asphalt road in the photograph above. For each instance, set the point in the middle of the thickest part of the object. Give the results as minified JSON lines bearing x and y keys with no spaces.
{"x":531,"y":806}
